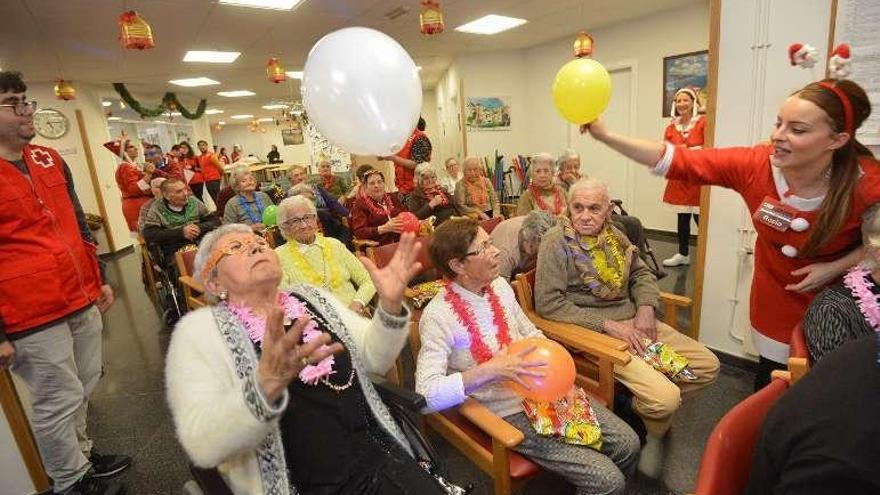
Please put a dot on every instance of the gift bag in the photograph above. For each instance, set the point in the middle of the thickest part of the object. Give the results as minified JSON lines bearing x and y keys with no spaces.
{"x":421,"y":294}
{"x":573,"y":421}
{"x":665,"y":360}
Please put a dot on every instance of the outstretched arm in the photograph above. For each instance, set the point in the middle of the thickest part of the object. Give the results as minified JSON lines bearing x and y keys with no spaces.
{"x":643,"y":151}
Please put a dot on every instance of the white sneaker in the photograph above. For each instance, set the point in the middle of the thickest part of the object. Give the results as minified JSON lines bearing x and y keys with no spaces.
{"x":677,"y":260}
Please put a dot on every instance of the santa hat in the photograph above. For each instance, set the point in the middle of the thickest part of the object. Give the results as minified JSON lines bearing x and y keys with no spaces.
{"x":114,"y":146}
{"x":801,"y":55}
{"x":839,"y":62}
{"x":694,"y":93}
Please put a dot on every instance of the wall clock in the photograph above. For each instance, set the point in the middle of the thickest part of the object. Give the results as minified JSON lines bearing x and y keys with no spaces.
{"x":51,"y":123}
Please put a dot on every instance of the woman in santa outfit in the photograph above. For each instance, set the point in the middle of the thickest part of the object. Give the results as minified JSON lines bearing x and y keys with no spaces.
{"x":807,"y":190}
{"x":686,"y":129}
{"x":132,"y":179}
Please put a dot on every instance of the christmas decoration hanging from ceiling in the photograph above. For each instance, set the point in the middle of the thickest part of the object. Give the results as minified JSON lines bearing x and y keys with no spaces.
{"x":275,"y":71}
{"x":431,"y":18}
{"x":583,"y":45}
{"x":135,"y":33}
{"x":169,"y":103}
{"x":64,"y":90}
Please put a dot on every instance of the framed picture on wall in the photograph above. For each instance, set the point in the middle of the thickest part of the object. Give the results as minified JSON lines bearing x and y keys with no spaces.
{"x":687,"y":69}
{"x":488,"y":113}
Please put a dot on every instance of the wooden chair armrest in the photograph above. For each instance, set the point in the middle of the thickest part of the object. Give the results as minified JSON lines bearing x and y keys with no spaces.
{"x":675,"y":300}
{"x":581,"y":338}
{"x":365,"y":242}
{"x":491,"y":424}
{"x":191,"y":283}
{"x":785,"y":375}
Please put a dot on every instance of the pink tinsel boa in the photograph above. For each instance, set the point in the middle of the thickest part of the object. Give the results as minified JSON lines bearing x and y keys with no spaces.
{"x":856,"y":281}
{"x":293,"y":309}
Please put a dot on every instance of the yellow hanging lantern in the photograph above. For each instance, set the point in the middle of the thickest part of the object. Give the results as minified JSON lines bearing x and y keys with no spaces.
{"x":583,"y":45}
{"x":275,"y":71}
{"x":64,"y":90}
{"x":135,"y":33}
{"x":431,"y":18}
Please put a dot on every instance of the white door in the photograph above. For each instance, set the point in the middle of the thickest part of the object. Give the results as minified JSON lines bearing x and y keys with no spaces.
{"x":599,"y":161}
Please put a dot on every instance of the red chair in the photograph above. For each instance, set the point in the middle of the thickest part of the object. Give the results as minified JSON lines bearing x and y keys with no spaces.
{"x":799,"y":355}
{"x":490,"y":224}
{"x":727,"y":459}
{"x":193,"y":292}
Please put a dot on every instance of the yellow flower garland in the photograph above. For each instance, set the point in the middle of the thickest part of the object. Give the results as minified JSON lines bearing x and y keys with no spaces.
{"x":331,"y":278}
{"x":611,"y":276}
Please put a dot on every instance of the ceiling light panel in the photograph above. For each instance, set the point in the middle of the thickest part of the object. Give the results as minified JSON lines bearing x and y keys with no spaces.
{"x":210,"y":57}
{"x":294,"y":74}
{"x":194,"y":82}
{"x":278,"y":106}
{"x":213,"y":111}
{"x":266,"y":119}
{"x":263,"y":4}
{"x":491,"y":24}
{"x":244,"y":116}
{"x":238,"y":93}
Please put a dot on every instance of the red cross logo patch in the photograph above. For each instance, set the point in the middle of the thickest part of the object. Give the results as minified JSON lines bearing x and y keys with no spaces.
{"x":42,"y":157}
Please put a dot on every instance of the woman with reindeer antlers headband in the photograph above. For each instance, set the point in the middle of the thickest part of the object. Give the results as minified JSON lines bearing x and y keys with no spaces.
{"x":807,"y":189}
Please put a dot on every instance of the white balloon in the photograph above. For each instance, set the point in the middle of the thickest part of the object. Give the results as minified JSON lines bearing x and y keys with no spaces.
{"x":362,"y":91}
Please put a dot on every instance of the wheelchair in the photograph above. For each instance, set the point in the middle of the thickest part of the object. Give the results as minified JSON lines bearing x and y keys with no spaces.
{"x":633,"y":229}
{"x":166,"y":292}
{"x":404,"y":406}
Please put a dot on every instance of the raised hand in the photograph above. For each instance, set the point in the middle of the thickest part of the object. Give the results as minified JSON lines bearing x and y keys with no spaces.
{"x":392,"y":279}
{"x":283,"y":356}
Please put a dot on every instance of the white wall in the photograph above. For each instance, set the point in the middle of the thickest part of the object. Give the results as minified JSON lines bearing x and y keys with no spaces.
{"x":753,"y":80}
{"x":526,"y":77}
{"x":429,"y":113}
{"x":260,"y":143}
{"x":88,"y":100}
{"x":447,"y":135}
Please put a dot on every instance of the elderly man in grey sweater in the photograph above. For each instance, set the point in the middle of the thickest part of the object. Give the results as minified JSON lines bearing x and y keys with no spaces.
{"x":589,"y":274}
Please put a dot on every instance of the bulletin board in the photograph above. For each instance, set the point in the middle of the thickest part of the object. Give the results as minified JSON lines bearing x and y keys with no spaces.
{"x":856,"y":24}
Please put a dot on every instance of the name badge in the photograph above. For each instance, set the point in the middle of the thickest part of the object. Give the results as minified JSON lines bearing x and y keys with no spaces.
{"x":774,"y":214}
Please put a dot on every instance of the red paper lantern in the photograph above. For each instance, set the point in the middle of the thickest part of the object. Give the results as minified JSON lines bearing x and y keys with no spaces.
{"x":275,"y":71}
{"x":64,"y":90}
{"x":583,"y":45}
{"x":135,"y":33}
{"x":431,"y":18}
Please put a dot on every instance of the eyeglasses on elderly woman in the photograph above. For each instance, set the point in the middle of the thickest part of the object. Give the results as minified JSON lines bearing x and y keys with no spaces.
{"x":237,"y":243}
{"x":298,"y":221}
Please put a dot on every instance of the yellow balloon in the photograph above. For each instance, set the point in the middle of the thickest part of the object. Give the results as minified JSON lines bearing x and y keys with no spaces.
{"x":581,"y":90}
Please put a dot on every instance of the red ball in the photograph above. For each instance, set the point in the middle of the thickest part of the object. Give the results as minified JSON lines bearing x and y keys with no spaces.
{"x":410,"y":222}
{"x":560,"y":370}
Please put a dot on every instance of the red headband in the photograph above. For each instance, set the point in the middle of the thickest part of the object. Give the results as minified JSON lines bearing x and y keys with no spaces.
{"x":849,"y":119}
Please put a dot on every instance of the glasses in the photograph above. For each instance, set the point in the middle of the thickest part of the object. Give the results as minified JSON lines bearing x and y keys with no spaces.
{"x":22,"y":107}
{"x":238,"y":244}
{"x":297,"y":221}
{"x":484,"y":247}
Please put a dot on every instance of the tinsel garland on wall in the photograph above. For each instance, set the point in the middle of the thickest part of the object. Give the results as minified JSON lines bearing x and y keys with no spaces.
{"x":169,"y":103}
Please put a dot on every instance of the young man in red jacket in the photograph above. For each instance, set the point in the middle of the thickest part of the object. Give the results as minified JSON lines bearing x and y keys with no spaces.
{"x":51,"y":297}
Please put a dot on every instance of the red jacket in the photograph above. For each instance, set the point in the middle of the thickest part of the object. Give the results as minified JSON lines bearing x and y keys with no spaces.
{"x":404,"y":177}
{"x":775,"y":311}
{"x":678,"y":192}
{"x":47,"y":271}
{"x":211,"y":168}
{"x":129,"y":179}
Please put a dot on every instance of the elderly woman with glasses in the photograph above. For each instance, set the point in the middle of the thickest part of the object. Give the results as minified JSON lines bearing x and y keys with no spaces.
{"x":271,"y":386}
{"x":475,"y":191}
{"x":310,"y":258}
{"x":429,"y":198}
{"x":465,"y":331}
{"x":248,"y":204}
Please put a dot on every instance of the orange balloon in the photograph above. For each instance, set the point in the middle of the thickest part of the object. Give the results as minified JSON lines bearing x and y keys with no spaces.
{"x":560,"y":370}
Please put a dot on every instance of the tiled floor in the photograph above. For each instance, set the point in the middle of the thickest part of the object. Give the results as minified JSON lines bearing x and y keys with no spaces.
{"x":128,"y":412}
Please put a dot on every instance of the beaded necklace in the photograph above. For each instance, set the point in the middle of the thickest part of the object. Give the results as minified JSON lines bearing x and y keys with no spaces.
{"x":254,"y":217}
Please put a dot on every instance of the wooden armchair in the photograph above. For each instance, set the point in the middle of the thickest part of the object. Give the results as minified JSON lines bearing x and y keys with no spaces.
{"x":596,"y":369}
{"x":799,"y":355}
{"x":149,"y":274}
{"x":727,"y":460}
{"x":193,"y":292}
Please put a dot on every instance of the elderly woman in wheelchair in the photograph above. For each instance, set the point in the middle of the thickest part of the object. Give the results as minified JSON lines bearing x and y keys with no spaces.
{"x":271,"y":386}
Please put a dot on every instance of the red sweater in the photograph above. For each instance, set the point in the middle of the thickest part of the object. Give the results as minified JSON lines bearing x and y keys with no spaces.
{"x":365,"y":223}
{"x":775,"y":311}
